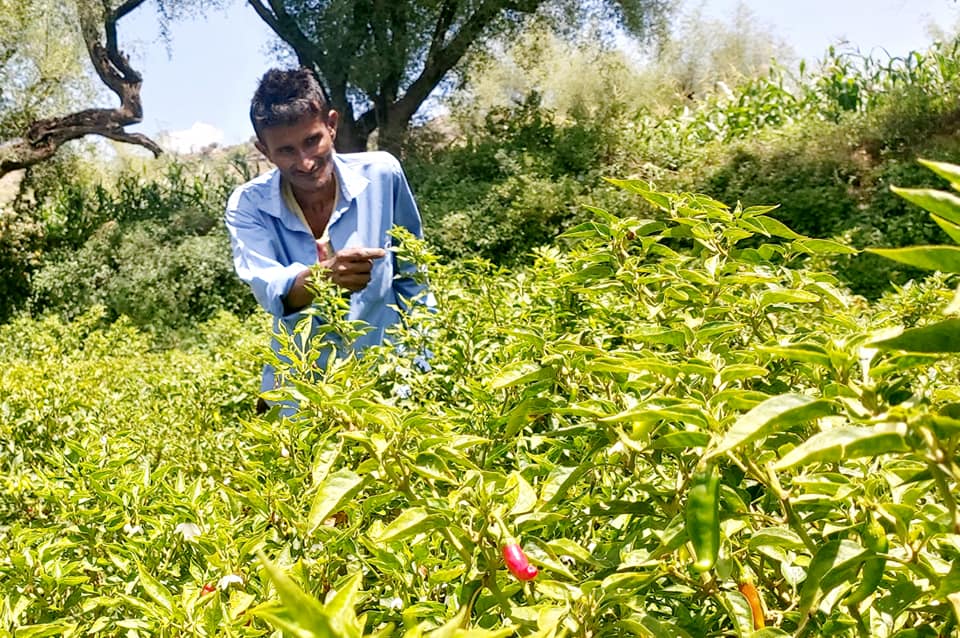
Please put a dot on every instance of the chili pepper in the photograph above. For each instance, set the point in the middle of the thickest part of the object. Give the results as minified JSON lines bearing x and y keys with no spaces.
{"x":517,"y":562}
{"x":874,"y":537}
{"x":750,"y":592}
{"x":207,"y":589}
{"x":703,"y":518}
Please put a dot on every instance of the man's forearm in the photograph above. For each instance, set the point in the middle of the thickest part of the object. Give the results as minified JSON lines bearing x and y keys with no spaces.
{"x":298,"y":297}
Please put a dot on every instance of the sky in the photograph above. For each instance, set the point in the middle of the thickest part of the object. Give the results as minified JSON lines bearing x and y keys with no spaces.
{"x":197,"y":88}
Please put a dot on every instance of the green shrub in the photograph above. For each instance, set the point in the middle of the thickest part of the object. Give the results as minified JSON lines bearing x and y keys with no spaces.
{"x":150,"y":247}
{"x":822,"y":145}
{"x":20,"y":239}
{"x":514,"y":185}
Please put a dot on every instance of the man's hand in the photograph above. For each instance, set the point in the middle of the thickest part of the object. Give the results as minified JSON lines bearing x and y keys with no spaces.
{"x":350,"y":268}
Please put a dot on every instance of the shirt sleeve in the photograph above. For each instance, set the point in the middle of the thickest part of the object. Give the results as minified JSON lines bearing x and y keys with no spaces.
{"x":405,"y":214}
{"x":255,"y":257}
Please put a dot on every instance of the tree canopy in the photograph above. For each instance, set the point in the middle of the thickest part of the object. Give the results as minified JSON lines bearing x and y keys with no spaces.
{"x":379,"y":60}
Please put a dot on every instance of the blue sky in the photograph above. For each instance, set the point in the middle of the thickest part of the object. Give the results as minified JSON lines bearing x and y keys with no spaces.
{"x":198,"y":91}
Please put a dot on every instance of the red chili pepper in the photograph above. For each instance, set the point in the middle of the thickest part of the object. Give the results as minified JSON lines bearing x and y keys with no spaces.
{"x":517,"y":562}
{"x":207,"y":589}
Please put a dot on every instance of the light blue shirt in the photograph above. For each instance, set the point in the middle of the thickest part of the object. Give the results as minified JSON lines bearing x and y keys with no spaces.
{"x":272,"y":244}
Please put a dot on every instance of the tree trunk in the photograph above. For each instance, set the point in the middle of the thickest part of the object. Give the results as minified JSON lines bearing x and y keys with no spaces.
{"x":453,"y":35}
{"x":351,"y":137}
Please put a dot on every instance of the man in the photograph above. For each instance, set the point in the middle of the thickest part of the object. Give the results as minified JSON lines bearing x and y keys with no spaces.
{"x":318,"y":206}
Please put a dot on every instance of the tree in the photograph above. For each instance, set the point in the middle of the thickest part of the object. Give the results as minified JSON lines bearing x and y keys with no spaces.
{"x":28,"y":133}
{"x":704,"y":52}
{"x":379,"y":60}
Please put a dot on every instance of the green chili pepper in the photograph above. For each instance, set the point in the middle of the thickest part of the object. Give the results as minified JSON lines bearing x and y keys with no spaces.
{"x":703,"y":518}
{"x":874,"y":538}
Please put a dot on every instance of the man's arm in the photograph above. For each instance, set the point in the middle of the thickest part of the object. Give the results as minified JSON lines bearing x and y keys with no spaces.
{"x":255,"y":257}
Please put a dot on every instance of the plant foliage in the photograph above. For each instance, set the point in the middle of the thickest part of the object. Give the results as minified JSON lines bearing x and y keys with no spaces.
{"x":686,"y":430}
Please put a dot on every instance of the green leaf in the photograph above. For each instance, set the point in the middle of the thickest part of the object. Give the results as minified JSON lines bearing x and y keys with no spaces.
{"x":301,"y":615}
{"x":633,"y":365}
{"x":847,"y":442}
{"x":337,"y":489}
{"x":776,"y":537}
{"x":676,"y":338}
{"x":567,"y":547}
{"x":683,"y":440}
{"x":341,"y":608}
{"x":942,"y":203}
{"x":774,"y":414}
{"x":412,"y":521}
{"x":521,"y":373}
{"x":739,"y":611}
{"x":324,"y":458}
{"x":525,"y":496}
{"x":740,"y":371}
{"x":951,"y":229}
{"x":824,"y":247}
{"x":586,"y":230}
{"x":543,"y":555}
{"x":943,"y":336}
{"x":954,"y":599}
{"x":770,"y":632}
{"x":949,"y":172}
{"x":942,"y":258}
{"x":804,"y":352}
{"x":647,"y":626}
{"x":560,"y":479}
{"x":663,"y":201}
{"x":832,"y":557}
{"x":776,"y":227}
{"x":771,"y":297}
{"x":455,"y":624}
{"x":753,"y":211}
{"x":155,"y":590}
{"x":58,"y":628}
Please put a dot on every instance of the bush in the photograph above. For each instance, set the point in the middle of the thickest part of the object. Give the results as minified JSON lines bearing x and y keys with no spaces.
{"x":152,"y":249}
{"x":514,"y":185}
{"x":20,"y":240}
{"x":823,"y":145}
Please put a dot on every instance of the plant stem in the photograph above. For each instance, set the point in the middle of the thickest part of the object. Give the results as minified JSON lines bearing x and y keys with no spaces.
{"x":772,"y":482}
{"x":942,"y":474}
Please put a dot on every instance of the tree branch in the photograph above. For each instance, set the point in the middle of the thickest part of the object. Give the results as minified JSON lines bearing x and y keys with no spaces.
{"x":51,"y":134}
{"x":448,"y":10}
{"x":439,"y":62}
{"x":283,"y":24}
{"x":44,"y":137}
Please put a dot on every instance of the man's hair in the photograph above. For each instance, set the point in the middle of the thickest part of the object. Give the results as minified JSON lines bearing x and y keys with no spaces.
{"x":284,"y":96}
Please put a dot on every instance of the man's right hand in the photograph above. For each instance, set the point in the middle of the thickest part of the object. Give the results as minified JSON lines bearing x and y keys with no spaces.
{"x":350,"y":268}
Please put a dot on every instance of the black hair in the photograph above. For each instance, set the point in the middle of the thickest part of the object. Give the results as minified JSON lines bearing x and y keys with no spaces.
{"x":284,"y":96}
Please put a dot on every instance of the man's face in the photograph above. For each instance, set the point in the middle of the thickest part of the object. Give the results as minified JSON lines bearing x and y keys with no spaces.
{"x":302,"y":151}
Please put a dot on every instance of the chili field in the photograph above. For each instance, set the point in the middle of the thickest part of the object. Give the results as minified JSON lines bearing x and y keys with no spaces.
{"x":667,"y":425}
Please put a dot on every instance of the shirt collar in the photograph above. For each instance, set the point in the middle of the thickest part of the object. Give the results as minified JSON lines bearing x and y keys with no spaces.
{"x":350,"y":182}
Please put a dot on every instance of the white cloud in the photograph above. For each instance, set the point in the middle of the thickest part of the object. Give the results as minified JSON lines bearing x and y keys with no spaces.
{"x":192,"y":139}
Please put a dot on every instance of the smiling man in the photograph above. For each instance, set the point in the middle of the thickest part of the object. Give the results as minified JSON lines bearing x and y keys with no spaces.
{"x":318,"y":206}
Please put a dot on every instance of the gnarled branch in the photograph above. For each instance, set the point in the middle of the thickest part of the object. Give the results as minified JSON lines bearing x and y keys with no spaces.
{"x":44,"y":137}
